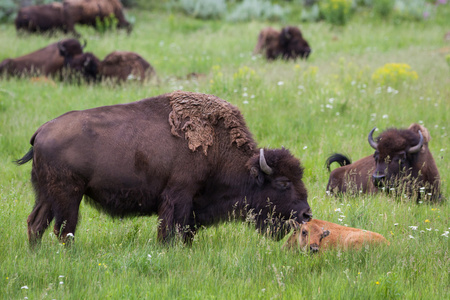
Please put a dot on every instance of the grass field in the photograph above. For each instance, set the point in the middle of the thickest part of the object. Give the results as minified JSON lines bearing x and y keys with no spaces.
{"x":325,"y":104}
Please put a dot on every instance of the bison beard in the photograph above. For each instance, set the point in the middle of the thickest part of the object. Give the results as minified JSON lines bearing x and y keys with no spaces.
{"x":133,"y":159}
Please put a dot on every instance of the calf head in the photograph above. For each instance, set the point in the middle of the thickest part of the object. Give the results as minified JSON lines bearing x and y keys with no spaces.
{"x":396,"y":152}
{"x":293,"y":44}
{"x":306,"y":236}
{"x":278,"y":193}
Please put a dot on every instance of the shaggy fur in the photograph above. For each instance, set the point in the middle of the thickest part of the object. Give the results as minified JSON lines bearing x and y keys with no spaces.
{"x":402,"y":171}
{"x":202,"y":113}
{"x":317,"y":235}
{"x":48,"y":61}
{"x":139,"y":159}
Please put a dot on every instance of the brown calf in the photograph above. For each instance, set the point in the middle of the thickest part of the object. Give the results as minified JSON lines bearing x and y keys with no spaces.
{"x":318,"y":235}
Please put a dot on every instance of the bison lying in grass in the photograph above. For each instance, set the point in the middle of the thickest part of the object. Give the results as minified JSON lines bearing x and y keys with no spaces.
{"x":287,"y":44}
{"x":402,"y":163}
{"x":317,"y":235}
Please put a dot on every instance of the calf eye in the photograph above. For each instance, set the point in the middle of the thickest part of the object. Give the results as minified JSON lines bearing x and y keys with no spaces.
{"x":305,"y":233}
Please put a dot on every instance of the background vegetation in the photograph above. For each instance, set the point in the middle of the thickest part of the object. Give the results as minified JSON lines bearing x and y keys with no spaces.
{"x":328,"y":103}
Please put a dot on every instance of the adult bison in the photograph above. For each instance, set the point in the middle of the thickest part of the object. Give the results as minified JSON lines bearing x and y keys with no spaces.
{"x":402,"y":162}
{"x":90,"y":12}
{"x":116,"y":67}
{"x":187,"y":157}
{"x":48,"y":61}
{"x":287,"y":44}
{"x":40,"y":18}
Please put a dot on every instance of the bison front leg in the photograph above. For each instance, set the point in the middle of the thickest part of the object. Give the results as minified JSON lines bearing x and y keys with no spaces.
{"x":176,"y":217}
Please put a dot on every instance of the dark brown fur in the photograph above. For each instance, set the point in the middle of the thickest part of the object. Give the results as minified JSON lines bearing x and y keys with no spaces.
{"x":287,"y":44}
{"x":41,"y":18}
{"x":134,"y":159}
{"x":117,"y":67}
{"x":87,"y":11}
{"x":48,"y":61}
{"x":414,"y":174}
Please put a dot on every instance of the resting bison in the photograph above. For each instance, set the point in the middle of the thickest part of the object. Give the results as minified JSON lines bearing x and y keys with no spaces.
{"x":40,"y":18}
{"x":402,"y":162}
{"x":89,"y":12}
{"x":187,"y":157}
{"x":289,"y":43}
{"x":118,"y":66}
{"x":48,"y":61}
{"x":317,"y":235}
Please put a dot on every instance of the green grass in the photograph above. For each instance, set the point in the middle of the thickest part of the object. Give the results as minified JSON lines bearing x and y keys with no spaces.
{"x":285,"y":104}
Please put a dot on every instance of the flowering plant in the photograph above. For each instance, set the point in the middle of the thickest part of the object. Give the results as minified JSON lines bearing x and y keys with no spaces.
{"x":394,"y":73}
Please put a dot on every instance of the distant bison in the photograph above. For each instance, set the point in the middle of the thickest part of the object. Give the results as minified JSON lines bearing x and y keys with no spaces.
{"x":118,"y":66}
{"x":48,"y":61}
{"x":41,"y":18}
{"x":317,"y":235}
{"x":89,"y":12}
{"x":287,"y":44}
{"x":187,"y":157}
{"x":402,"y":162}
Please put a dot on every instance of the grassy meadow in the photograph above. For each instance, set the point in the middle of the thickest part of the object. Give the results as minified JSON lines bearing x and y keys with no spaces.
{"x":326,"y":104}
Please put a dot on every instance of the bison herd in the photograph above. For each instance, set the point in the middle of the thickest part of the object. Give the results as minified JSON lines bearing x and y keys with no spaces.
{"x":189,"y":157}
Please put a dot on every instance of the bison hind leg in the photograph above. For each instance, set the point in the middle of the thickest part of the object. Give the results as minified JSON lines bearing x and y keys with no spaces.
{"x":38,"y":221}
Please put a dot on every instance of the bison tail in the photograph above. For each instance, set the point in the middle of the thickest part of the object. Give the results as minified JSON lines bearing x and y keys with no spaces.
{"x":26,"y":158}
{"x":341,"y":159}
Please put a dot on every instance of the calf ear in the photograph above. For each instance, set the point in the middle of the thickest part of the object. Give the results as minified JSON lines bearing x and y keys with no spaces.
{"x":325,"y":233}
{"x":294,"y":225}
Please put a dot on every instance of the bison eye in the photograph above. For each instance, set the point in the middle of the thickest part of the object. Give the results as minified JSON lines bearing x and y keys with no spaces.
{"x":282,"y":183}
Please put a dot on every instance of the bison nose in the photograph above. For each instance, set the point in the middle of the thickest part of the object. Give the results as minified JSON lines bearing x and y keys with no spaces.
{"x":306,"y":215}
{"x":314,"y":248}
{"x":378,"y":179}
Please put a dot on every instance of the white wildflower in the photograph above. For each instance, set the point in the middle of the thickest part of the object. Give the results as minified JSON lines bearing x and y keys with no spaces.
{"x":61,"y":282}
{"x":24,"y":287}
{"x":304,"y":148}
{"x":280,"y":83}
{"x":411,"y":237}
{"x":245,"y":102}
{"x":61,"y":276}
{"x":413,"y":227}
{"x":429,"y":229}
{"x":395,"y":224}
{"x":337,"y":209}
{"x":445,"y":233}
{"x":385,"y":116}
{"x":244,"y":95}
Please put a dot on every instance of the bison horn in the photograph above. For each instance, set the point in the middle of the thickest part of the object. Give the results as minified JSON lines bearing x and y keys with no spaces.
{"x":84,"y":45}
{"x":372,"y":143}
{"x":263,"y":164}
{"x":417,"y":147}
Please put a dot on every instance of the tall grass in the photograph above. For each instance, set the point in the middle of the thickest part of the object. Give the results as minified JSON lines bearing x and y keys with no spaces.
{"x":328,"y":103}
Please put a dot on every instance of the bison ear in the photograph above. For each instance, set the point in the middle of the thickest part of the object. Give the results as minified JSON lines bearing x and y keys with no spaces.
{"x":325,"y":233}
{"x":294,"y":225}
{"x":257,"y":174}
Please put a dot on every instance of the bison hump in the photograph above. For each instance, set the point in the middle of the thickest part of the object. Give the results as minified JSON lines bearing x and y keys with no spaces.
{"x":196,"y":115}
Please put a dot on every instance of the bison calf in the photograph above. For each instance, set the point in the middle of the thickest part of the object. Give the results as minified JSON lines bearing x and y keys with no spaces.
{"x":287,"y":44}
{"x":317,"y":235}
{"x":402,"y":163}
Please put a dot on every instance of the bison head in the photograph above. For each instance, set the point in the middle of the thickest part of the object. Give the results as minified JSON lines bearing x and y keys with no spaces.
{"x":279,"y":193}
{"x":306,"y":236}
{"x":69,"y":48}
{"x":396,"y":152}
{"x":85,"y":65}
{"x":293,"y":44}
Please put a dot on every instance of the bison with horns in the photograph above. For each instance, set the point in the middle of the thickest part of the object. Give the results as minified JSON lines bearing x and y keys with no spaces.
{"x":188,"y":157}
{"x":402,"y":163}
{"x":48,"y":61}
{"x":289,"y":43}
